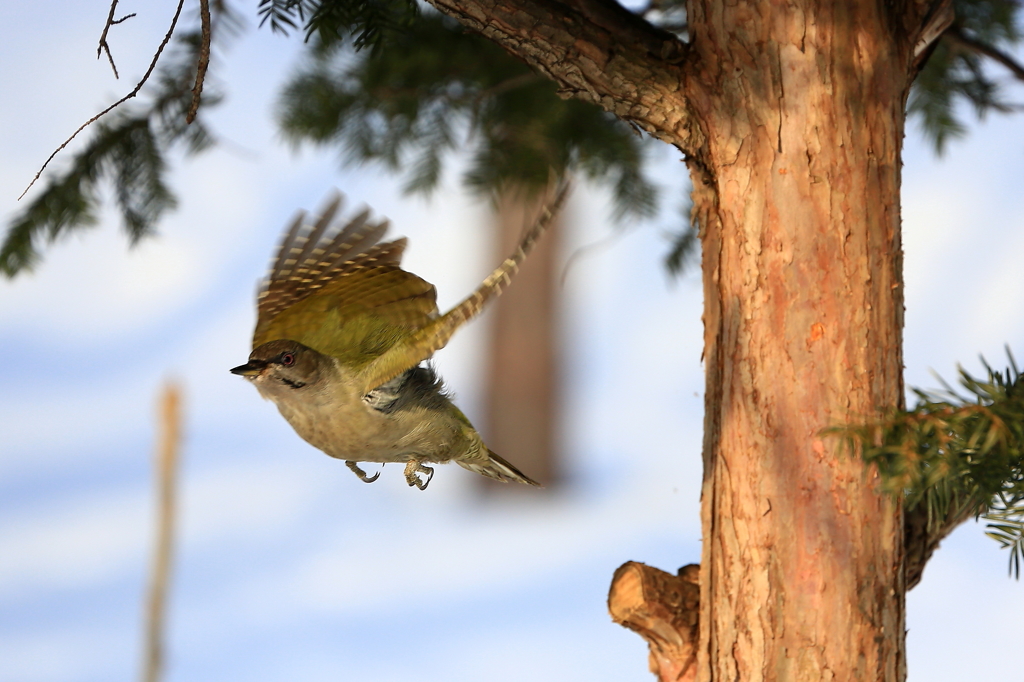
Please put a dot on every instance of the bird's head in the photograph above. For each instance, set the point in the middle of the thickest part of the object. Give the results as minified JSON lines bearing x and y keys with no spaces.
{"x":282,"y":366}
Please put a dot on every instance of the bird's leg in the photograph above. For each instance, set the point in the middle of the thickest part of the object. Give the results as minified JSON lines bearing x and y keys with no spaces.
{"x":362,"y":474}
{"x":412,"y":467}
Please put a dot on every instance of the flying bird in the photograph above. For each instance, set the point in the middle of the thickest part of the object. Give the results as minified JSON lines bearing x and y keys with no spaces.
{"x":343,"y":336}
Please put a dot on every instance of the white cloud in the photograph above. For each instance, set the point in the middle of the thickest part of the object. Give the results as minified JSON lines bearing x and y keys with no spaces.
{"x":87,"y":540}
{"x":963,"y":233}
{"x":103,"y":291}
{"x":964,"y":618}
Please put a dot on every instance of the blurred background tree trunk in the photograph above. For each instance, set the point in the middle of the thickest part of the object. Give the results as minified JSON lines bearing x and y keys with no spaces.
{"x":523,"y":374}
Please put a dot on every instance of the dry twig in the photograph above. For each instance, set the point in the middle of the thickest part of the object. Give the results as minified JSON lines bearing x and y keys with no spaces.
{"x":104,"y":46}
{"x":204,"y":60}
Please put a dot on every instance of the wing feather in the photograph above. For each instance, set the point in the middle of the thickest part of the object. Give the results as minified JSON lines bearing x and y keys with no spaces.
{"x":336,"y":288}
{"x":332,"y":278}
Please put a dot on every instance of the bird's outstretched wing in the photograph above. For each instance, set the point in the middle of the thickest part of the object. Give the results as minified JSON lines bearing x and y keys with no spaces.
{"x":333,"y":287}
{"x":436,"y":332}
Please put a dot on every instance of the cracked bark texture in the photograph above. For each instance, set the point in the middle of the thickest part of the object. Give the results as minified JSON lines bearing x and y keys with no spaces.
{"x":791,"y":117}
{"x":797,"y":189}
{"x":596,"y":51}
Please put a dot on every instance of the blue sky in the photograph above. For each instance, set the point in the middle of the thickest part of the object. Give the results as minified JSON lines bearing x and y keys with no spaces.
{"x":288,"y":567}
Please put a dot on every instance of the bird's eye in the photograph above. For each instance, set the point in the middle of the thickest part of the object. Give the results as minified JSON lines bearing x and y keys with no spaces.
{"x":287,"y":359}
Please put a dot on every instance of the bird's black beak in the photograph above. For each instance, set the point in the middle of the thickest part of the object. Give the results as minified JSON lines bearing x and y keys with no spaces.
{"x":249,"y":369}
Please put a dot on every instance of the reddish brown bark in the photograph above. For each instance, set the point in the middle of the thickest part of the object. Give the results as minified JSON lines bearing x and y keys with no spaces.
{"x":663,"y":609}
{"x":797,"y":192}
{"x":596,"y":51}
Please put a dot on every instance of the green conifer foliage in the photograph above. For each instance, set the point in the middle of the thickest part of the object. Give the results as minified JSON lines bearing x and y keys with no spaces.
{"x":954,"y":456}
{"x":432,"y":89}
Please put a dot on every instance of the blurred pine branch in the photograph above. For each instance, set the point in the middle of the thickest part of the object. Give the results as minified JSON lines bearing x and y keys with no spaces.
{"x":126,"y":152}
{"x":433,"y":89}
{"x":391,"y":82}
{"x":956,"y":72}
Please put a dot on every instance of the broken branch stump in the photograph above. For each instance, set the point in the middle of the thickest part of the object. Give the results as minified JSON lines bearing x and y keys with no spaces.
{"x":663,"y":609}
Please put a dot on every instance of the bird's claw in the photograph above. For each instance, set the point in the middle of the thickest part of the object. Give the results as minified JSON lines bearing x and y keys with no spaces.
{"x":412,"y":468}
{"x":362,"y":474}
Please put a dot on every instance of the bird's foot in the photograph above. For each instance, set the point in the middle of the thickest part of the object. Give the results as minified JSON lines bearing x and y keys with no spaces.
{"x":362,"y":474}
{"x":412,"y":468}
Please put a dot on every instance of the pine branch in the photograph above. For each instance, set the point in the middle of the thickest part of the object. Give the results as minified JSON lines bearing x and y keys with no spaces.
{"x":956,"y":35}
{"x":283,"y":15}
{"x":434,"y":88}
{"x":952,"y":457}
{"x":363,"y":22}
{"x":104,"y":47}
{"x":1006,"y":526}
{"x":954,"y":68}
{"x":685,"y":249}
{"x":203,"y":62}
{"x":565,"y":41}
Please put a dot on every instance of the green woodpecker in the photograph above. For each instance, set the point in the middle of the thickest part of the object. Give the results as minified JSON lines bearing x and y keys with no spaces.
{"x":342,"y":335}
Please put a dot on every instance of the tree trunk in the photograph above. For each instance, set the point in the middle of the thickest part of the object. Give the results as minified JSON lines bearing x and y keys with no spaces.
{"x":797,"y":194}
{"x":791,"y":119}
{"x":522,"y":368}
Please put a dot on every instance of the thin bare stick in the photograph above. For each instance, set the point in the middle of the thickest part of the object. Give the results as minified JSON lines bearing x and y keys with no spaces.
{"x":204,"y":60}
{"x":104,"y":46}
{"x":149,"y":72}
{"x":956,"y":35}
{"x":166,"y":484}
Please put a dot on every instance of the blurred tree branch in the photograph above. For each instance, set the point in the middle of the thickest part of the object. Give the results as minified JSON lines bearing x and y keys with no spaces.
{"x":166,"y":475}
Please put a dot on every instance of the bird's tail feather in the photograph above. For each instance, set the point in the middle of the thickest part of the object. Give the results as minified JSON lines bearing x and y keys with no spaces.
{"x":497,"y":468}
{"x":435,"y":335}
